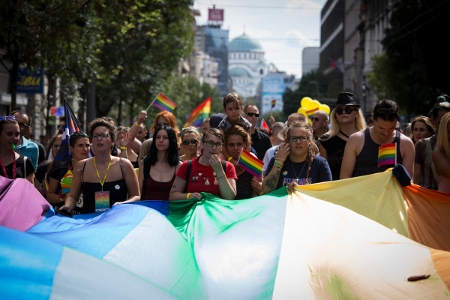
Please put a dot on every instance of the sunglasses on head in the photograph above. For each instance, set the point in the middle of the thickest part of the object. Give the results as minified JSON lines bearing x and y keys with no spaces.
{"x":159,"y":125}
{"x":250,"y":114}
{"x":386,"y":111}
{"x":347,"y":110}
{"x":3,"y":118}
{"x":188,"y":142}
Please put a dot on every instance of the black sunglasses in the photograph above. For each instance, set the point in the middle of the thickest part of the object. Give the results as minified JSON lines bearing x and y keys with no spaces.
{"x":315,"y":119}
{"x":188,"y":142}
{"x":23,"y":125}
{"x":386,"y":111}
{"x":347,"y":110}
{"x":253,"y":114}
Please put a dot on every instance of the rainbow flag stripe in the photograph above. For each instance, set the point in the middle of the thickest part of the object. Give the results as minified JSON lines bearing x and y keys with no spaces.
{"x":310,"y":113}
{"x":387,"y":155}
{"x":200,"y":113}
{"x":250,"y":163}
{"x":164,"y":103}
{"x":274,"y":102}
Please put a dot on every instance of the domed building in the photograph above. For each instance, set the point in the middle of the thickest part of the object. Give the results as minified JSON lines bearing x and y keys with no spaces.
{"x":246,"y":65}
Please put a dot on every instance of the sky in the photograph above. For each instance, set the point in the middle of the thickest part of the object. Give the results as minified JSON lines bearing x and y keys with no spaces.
{"x":282,"y":27}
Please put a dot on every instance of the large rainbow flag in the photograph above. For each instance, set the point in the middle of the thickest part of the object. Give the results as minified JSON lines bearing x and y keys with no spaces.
{"x":360,"y":238}
{"x":200,"y":113}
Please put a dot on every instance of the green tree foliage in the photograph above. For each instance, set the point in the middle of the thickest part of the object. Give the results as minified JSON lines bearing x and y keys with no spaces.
{"x":411,"y":71}
{"x":29,"y":27}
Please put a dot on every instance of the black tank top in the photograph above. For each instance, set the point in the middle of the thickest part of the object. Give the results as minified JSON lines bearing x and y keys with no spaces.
{"x":335,"y":152}
{"x":117,"y":192}
{"x":367,"y":160}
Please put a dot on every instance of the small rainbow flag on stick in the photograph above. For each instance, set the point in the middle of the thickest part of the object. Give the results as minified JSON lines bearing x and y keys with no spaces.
{"x":250,"y":163}
{"x":387,"y":155}
{"x":163,"y":103}
{"x":274,"y":102}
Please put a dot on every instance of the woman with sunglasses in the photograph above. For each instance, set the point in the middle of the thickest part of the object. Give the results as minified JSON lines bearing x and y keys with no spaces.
{"x":345,"y":119}
{"x":247,"y":185}
{"x":12,"y":164}
{"x":189,"y":143}
{"x":158,"y":169}
{"x":104,"y":180}
{"x":207,"y":173}
{"x":296,"y":161}
{"x":61,"y":172}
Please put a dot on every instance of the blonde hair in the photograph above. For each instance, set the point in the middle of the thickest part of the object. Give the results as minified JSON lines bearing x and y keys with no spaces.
{"x":335,"y":127}
{"x":443,"y":137}
{"x":145,"y":149}
{"x":312,"y":147}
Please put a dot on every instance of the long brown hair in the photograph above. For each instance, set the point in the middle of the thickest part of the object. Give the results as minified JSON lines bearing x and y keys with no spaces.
{"x":312,"y":147}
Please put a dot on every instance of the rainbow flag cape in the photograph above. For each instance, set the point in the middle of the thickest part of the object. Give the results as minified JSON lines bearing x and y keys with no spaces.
{"x":163,"y":103}
{"x":200,"y":113}
{"x":387,"y":155}
{"x":310,"y":113}
{"x":357,"y":238}
{"x":250,"y":163}
{"x":274,"y":102}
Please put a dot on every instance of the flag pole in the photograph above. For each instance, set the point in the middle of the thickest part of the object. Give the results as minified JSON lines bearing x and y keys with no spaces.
{"x":152,"y":102}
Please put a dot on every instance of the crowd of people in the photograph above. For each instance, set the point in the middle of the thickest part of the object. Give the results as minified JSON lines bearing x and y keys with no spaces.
{"x":112,"y":165}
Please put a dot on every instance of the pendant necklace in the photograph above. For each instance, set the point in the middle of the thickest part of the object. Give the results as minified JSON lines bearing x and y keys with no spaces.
{"x":343,"y":134}
{"x":293,"y":169}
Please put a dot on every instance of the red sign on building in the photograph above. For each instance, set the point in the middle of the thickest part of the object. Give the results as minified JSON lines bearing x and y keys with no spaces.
{"x":215,"y":15}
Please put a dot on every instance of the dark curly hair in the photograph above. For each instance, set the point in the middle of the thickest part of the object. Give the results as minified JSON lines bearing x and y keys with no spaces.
{"x":102,"y":122}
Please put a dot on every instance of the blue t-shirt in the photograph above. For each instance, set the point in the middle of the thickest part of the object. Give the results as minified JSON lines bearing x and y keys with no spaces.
{"x":320,"y":171}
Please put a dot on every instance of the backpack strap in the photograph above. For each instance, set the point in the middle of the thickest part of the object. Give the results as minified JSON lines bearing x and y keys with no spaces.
{"x":188,"y":171}
{"x":147,"y":166}
{"x":188,"y":174}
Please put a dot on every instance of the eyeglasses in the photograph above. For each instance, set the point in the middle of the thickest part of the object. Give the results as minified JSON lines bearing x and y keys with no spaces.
{"x":23,"y":125}
{"x":294,"y":139}
{"x":188,"y":142}
{"x":3,"y":118}
{"x":347,"y":110}
{"x":386,"y":111}
{"x":56,"y":145}
{"x":211,"y":144}
{"x":252,"y":114}
{"x":102,"y":136}
{"x":315,"y":119}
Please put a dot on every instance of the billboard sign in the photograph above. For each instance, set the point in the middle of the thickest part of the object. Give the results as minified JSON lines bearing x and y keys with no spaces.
{"x":215,"y":15}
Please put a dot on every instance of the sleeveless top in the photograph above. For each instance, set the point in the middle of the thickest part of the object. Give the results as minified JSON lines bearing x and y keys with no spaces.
{"x":335,"y":152}
{"x":367,"y":160}
{"x":244,"y":186}
{"x":117,"y":192}
{"x":157,"y":190}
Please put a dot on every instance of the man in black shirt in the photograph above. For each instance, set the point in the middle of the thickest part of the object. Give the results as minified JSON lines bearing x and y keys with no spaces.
{"x":260,"y":141}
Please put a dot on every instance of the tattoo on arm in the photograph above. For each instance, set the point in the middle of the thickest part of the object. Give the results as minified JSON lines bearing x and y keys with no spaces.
{"x":273,"y":180}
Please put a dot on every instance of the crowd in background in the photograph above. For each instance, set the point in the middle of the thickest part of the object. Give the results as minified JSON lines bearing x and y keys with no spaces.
{"x":111,"y":165}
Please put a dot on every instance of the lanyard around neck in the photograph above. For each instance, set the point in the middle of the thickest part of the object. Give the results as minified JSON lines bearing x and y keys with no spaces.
{"x":106,"y":172}
{"x":14,"y":168}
